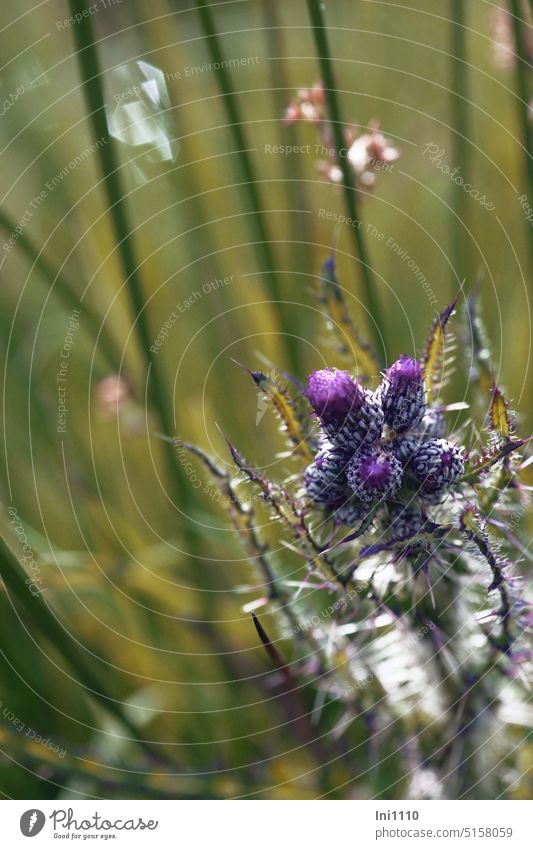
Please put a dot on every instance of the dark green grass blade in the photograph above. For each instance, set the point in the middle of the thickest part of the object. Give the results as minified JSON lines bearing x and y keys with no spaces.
{"x":523,"y":95}
{"x":91,"y":77}
{"x":459,"y":113}
{"x":65,"y":292}
{"x":45,"y":621}
{"x":326,"y":69}
{"x":236,"y":127}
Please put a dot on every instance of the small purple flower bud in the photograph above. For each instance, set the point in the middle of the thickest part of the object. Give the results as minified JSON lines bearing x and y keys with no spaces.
{"x":325,"y":478}
{"x":351,"y":513}
{"x":402,"y":394}
{"x":437,"y":465}
{"x":404,"y":520}
{"x":333,"y":395}
{"x":350,"y":415}
{"x":374,"y":475}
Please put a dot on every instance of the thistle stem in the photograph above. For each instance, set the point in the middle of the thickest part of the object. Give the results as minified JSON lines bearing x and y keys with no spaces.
{"x":459,"y":114}
{"x":236,"y":125}
{"x":326,"y":69}
{"x":91,"y":77}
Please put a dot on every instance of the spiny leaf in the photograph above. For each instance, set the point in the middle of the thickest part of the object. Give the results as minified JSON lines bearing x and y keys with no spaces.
{"x":511,"y":604}
{"x":281,"y":501}
{"x":205,"y":458}
{"x":292,"y":420}
{"x":486,"y":461}
{"x":350,"y":341}
{"x":433,"y":355}
{"x":500,"y":420}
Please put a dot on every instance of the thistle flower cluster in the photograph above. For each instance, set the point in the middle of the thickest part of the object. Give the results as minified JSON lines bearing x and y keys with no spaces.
{"x":379,"y":449}
{"x":406,"y":580}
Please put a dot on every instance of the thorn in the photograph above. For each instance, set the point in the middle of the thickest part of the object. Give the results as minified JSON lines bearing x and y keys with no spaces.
{"x":257,"y":376}
{"x":271,"y":650}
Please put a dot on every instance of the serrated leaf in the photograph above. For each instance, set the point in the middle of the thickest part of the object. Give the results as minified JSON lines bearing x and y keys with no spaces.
{"x":486,"y":461}
{"x":292,"y":421}
{"x":499,"y":416}
{"x":508,"y":589}
{"x":432,"y":360}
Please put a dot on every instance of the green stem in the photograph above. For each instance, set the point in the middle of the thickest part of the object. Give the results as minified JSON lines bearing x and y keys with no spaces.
{"x":523,"y":95}
{"x":293,"y":168}
{"x":91,"y":77}
{"x":236,"y":127}
{"x":459,"y":113}
{"x":350,"y":194}
{"x":64,"y":290}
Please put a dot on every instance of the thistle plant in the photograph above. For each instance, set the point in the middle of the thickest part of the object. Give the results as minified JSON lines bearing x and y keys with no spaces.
{"x":391,"y":572}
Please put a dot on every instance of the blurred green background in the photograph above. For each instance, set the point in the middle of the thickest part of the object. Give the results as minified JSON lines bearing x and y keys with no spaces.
{"x":143,"y":571}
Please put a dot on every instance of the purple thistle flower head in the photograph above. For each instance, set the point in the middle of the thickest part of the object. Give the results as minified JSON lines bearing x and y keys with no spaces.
{"x":333,"y":395}
{"x":374,"y":475}
{"x":402,"y":394}
{"x":437,"y":465}
{"x":404,"y":370}
{"x":325,"y":478}
{"x":349,"y":414}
